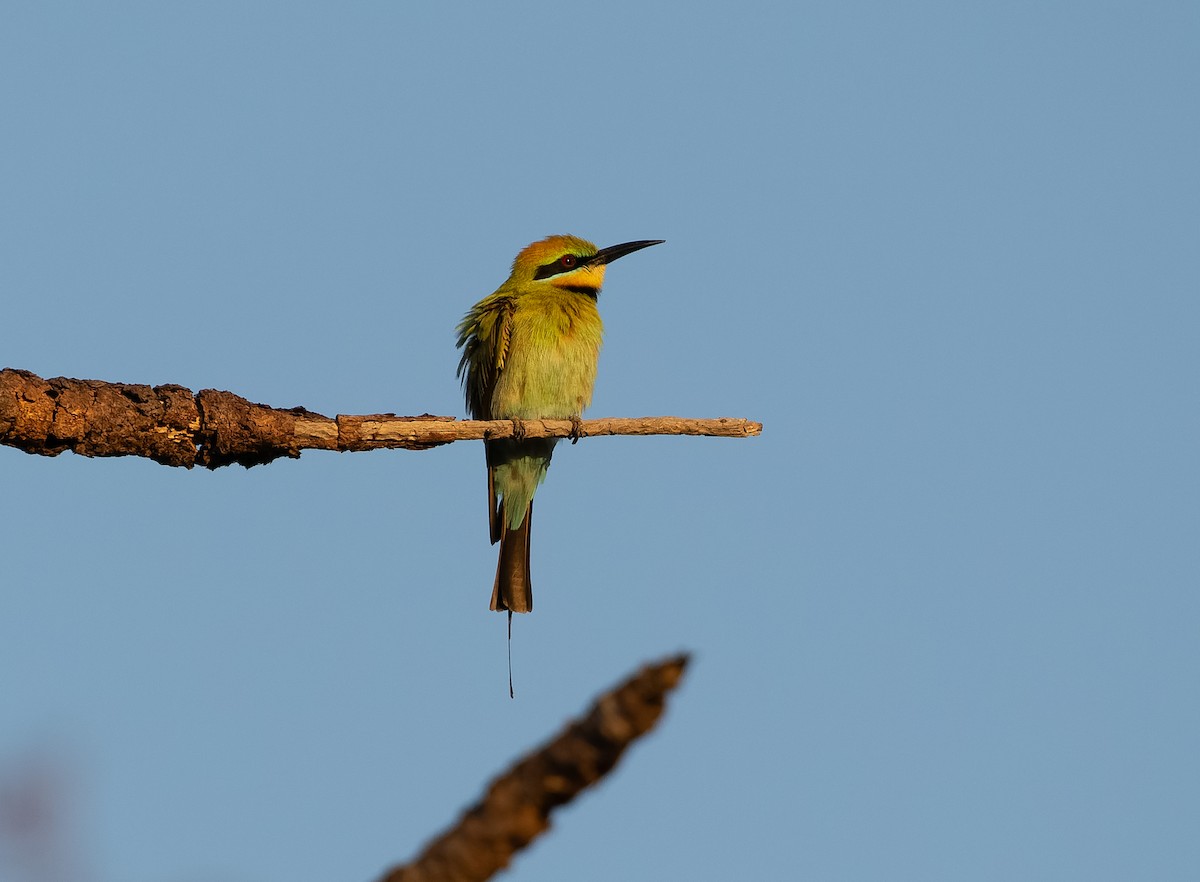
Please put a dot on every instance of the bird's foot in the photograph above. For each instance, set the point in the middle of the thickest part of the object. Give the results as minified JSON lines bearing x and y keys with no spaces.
{"x":518,"y":430}
{"x":576,"y":429}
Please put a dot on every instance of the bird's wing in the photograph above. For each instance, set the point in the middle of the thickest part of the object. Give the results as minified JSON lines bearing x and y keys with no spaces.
{"x":495,"y":509}
{"x":484,"y":336}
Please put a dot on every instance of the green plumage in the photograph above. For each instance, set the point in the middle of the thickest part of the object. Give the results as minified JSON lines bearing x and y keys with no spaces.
{"x":529,"y":351}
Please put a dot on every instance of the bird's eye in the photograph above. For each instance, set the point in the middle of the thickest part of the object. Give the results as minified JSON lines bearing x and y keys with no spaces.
{"x":567,"y":260}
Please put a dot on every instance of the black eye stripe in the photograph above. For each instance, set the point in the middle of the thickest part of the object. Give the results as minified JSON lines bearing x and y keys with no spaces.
{"x":560,"y":265}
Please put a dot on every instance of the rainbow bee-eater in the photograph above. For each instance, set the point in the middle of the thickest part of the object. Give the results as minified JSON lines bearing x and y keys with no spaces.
{"x":530,"y":352}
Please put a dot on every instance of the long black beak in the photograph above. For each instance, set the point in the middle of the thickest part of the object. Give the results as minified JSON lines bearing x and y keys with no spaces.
{"x":612,"y":252}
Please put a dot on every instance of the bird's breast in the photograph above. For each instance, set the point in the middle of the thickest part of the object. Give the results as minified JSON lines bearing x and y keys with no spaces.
{"x":553,"y":352}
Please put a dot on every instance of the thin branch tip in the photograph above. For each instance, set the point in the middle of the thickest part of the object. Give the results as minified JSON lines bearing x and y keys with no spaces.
{"x":516,"y":807}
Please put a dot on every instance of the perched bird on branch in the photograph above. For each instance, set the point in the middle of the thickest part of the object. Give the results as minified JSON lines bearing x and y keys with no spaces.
{"x":530,"y":352}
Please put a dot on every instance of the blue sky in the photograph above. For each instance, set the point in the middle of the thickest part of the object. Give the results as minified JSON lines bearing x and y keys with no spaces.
{"x":944,"y":611}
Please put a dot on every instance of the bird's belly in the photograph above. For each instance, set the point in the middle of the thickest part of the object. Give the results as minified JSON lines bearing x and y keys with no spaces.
{"x":548,"y":375}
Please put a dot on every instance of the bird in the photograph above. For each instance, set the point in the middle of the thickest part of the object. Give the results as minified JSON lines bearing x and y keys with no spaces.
{"x":529,"y":351}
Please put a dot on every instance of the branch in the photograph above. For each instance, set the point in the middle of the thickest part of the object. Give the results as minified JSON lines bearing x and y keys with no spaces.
{"x":516,"y":808}
{"x":174,"y":426}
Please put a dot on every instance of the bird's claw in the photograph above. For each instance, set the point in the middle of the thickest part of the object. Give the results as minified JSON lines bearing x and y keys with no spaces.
{"x":518,"y":430}
{"x":576,"y":430}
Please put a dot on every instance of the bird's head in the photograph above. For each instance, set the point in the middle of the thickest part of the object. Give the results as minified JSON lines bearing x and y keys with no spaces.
{"x":570,"y":263}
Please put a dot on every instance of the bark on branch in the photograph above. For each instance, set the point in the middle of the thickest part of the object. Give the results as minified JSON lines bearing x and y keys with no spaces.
{"x":517,"y":806}
{"x":174,"y":426}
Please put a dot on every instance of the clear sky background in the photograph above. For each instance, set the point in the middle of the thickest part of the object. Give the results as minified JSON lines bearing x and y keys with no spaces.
{"x":944,"y":611}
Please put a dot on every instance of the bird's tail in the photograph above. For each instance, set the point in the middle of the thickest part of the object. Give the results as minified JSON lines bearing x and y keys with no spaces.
{"x":512,"y":590}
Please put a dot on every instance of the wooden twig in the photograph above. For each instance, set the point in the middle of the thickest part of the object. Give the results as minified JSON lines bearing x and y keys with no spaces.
{"x":174,"y":426}
{"x":516,"y":807}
